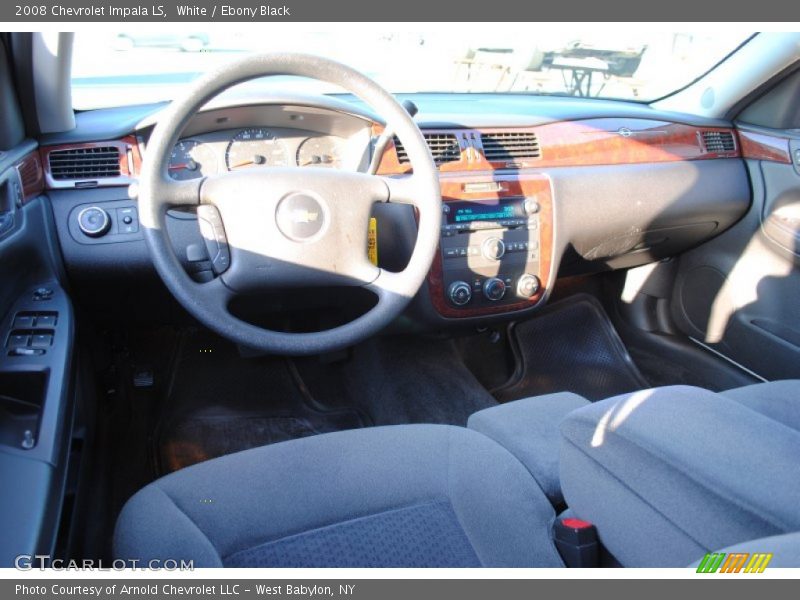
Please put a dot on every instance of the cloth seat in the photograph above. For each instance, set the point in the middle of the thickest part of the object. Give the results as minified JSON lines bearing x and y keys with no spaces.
{"x":693,"y":469}
{"x":778,"y":400}
{"x":529,"y":429}
{"x":399,"y":496}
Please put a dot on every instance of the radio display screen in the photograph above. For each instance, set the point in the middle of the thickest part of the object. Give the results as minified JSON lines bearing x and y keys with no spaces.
{"x":468,"y":212}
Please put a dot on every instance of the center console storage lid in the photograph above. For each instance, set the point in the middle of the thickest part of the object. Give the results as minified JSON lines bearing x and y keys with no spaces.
{"x":671,"y":473}
{"x":529,"y":430}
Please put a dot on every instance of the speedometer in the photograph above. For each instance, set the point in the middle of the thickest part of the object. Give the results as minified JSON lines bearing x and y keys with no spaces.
{"x":255,"y":147}
{"x":319,"y":152}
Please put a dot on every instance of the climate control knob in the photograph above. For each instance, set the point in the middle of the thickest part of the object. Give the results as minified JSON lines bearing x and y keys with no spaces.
{"x":459,"y":293}
{"x":94,"y":221}
{"x":528,"y":285}
{"x":493,"y":248}
{"x":494,"y":289}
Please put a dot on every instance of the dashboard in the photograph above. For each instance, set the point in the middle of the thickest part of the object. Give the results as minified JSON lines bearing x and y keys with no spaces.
{"x":533,"y":188}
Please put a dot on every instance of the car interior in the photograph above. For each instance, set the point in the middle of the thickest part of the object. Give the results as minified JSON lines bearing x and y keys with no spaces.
{"x":424,"y":329}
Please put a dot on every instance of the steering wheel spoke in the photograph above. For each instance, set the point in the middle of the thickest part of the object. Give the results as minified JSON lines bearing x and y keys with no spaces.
{"x":388,"y":284}
{"x":179,"y":193}
{"x":402,"y":190}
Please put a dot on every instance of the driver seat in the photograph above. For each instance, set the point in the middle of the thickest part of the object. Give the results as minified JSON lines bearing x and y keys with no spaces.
{"x":398,"y":496}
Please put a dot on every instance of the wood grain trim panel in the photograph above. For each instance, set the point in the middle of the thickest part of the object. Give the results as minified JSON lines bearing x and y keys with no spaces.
{"x":31,"y":176}
{"x":591,"y":142}
{"x":761,"y":146}
{"x":624,"y":141}
{"x":130,"y":162}
{"x":530,"y":184}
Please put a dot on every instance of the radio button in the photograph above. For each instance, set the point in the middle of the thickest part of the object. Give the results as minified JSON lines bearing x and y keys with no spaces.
{"x":531,"y":206}
{"x":459,"y":293}
{"x":493,"y":248}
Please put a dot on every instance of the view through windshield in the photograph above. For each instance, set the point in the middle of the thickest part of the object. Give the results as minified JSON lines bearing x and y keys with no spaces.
{"x":134,"y":67}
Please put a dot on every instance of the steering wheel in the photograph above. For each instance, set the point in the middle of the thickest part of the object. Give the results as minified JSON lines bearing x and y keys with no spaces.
{"x":288,"y":228}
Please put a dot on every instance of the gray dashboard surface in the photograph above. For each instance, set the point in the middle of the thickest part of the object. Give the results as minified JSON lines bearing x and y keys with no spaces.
{"x":435,"y":110}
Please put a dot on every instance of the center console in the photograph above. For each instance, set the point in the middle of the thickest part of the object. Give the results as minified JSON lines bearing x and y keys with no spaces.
{"x":495,"y":246}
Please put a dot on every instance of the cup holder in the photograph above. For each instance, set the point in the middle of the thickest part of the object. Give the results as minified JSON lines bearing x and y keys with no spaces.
{"x":21,"y":400}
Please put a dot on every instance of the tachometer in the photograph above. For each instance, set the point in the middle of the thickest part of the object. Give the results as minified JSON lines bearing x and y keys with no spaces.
{"x":256,"y":147}
{"x":319,"y":152}
{"x":190,"y":159}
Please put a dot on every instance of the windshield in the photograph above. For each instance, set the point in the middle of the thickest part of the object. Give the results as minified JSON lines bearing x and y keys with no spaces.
{"x":136,"y":67}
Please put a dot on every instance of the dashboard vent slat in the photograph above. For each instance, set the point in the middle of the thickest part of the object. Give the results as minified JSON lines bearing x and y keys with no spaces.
{"x":85,"y":163}
{"x":510,"y":146}
{"x":719,"y":141}
{"x":444,"y":148}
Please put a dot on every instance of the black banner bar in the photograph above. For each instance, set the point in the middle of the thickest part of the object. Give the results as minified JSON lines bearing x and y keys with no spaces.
{"x":264,"y":11}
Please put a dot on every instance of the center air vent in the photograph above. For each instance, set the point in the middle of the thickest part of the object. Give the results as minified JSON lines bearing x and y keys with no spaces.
{"x":85,"y":163}
{"x":444,"y":148}
{"x":510,"y":146}
{"x":718,"y":141}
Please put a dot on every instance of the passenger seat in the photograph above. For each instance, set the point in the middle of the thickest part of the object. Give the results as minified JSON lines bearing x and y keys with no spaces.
{"x":778,"y":400}
{"x":666,"y":474}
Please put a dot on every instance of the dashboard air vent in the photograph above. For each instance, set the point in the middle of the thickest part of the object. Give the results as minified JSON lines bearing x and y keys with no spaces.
{"x":85,"y":163}
{"x":510,"y":146}
{"x":444,"y":148}
{"x":718,"y":141}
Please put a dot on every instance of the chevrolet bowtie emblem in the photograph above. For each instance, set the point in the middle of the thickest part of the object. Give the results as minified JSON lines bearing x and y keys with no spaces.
{"x":304,"y":216}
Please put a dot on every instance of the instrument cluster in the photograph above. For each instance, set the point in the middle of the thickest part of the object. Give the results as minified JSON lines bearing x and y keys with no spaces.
{"x":208,"y":154}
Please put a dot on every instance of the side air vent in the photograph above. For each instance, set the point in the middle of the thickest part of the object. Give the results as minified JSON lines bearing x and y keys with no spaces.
{"x":85,"y":163}
{"x":510,"y":146}
{"x":444,"y":148}
{"x":718,"y":142}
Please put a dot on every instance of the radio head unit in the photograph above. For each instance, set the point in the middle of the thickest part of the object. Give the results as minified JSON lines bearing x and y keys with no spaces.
{"x":495,"y":252}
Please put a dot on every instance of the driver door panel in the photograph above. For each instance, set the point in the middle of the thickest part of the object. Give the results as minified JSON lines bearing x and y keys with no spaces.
{"x":36,"y":370}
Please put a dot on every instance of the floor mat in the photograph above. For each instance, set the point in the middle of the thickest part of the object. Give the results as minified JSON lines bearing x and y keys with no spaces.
{"x":222,"y":403}
{"x":400,"y":379}
{"x":573,"y":347}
